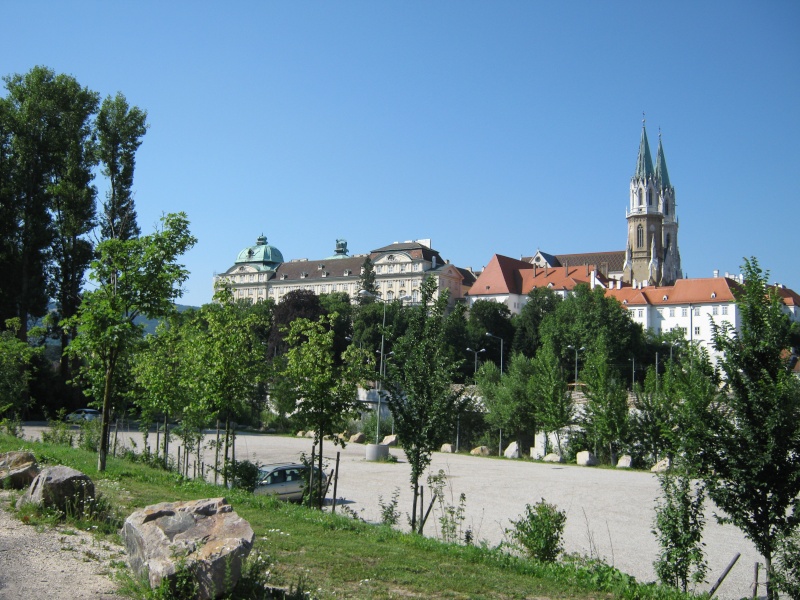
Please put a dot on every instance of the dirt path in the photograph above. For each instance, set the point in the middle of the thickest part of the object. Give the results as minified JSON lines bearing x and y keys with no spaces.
{"x":53,"y":563}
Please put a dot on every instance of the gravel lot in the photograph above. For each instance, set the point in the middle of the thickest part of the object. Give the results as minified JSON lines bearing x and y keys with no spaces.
{"x":609,"y":512}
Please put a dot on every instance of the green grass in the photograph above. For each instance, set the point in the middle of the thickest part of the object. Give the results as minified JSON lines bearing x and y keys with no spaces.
{"x":335,"y":556}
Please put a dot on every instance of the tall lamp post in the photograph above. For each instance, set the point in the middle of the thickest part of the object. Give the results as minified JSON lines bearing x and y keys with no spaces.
{"x":501,"y":348}
{"x":368,"y":294}
{"x":476,"y":352}
{"x":581,"y":349}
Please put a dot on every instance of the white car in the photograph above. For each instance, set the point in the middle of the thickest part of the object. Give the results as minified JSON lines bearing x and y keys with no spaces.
{"x":83,"y":414}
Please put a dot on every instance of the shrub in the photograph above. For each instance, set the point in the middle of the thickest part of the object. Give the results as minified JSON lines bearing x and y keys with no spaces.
{"x":679,"y":528}
{"x":242,"y":474}
{"x":787,"y":565}
{"x":89,"y":436}
{"x":538,"y":533}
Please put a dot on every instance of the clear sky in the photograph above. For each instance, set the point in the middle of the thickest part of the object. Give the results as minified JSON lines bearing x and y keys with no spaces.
{"x":488,"y":127}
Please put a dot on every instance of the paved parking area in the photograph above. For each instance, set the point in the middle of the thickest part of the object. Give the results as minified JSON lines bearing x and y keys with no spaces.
{"x":609,"y":512}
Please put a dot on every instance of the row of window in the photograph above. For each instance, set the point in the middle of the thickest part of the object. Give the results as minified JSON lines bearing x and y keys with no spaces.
{"x":715,"y":310}
{"x":399,"y":268}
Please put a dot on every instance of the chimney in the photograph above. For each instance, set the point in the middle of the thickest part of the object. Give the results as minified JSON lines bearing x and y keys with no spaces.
{"x":587,"y":269}
{"x":566,"y":270}
{"x":534,"y":270}
{"x":546,"y":271}
{"x":619,"y":284}
{"x":716,"y":273}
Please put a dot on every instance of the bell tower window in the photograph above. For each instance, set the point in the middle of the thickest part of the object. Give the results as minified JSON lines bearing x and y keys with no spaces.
{"x":666,"y":207}
{"x":640,"y":237}
{"x":641,"y":197}
{"x":650,"y":197}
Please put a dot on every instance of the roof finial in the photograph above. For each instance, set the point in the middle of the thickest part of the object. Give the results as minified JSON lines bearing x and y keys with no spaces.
{"x":659,"y":133}
{"x":643,"y":119}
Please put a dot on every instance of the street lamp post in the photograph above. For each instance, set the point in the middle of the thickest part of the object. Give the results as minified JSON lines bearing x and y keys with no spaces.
{"x":581,"y":349}
{"x":633,"y":372}
{"x":476,"y":352}
{"x":501,"y":349}
{"x":368,"y":294}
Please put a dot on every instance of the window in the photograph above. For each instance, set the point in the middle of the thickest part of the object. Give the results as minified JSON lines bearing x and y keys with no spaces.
{"x":390,"y":295}
{"x":640,"y":237}
{"x":415,"y":296}
{"x":390,"y":267}
{"x":671,"y":312}
{"x":696,"y":311}
{"x":724,"y":309}
{"x":714,"y":310}
{"x":641,"y":313}
{"x":666,"y":207}
{"x":697,"y":330}
{"x":641,"y":197}
{"x":684,"y":312}
{"x":650,"y":197}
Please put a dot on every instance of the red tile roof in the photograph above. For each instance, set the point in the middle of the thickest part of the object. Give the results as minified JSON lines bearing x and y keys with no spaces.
{"x":501,"y":276}
{"x":685,"y":291}
{"x":558,"y":278}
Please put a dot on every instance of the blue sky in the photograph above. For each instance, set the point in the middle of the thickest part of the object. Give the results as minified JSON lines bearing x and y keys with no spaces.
{"x":488,"y":127}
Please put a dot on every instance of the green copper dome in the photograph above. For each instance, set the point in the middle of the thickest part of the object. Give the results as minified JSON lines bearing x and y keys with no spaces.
{"x":261,"y":253}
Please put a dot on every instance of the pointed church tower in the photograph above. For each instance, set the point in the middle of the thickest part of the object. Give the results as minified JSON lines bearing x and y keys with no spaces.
{"x":644,"y":220}
{"x":671,"y":258}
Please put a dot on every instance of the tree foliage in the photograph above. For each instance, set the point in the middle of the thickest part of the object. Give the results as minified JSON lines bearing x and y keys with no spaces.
{"x":137,"y":277}
{"x":540,"y":302}
{"x":422,"y":398}
{"x":554,"y":403}
{"x":15,"y":359}
{"x":749,"y":453}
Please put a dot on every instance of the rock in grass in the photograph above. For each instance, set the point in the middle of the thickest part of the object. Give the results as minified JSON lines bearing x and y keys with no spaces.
{"x":18,"y":469}
{"x":204,"y":537}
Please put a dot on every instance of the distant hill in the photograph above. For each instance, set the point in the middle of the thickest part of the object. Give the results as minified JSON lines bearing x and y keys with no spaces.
{"x":151,"y":324}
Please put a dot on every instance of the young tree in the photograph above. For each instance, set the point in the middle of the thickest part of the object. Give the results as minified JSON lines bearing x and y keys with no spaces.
{"x":324,"y":386}
{"x":367,"y":282}
{"x":422,"y":398}
{"x":606,"y":414}
{"x":749,"y":460}
{"x":679,"y":526}
{"x":120,"y":129}
{"x":549,"y":390}
{"x":133,"y":277}
{"x":509,"y":399}
{"x":15,"y":358}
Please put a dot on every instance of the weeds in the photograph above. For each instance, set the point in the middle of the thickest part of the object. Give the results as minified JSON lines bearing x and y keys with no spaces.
{"x":538,"y":533}
{"x":389,"y":513}
{"x":451,"y":518}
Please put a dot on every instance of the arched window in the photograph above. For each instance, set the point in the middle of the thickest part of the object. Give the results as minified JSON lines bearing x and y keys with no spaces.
{"x":641,"y":197}
{"x":666,"y":207}
{"x":650,"y":197}
{"x":414,"y":296}
{"x":669,"y":241}
{"x":640,"y":237}
{"x":389,"y":295}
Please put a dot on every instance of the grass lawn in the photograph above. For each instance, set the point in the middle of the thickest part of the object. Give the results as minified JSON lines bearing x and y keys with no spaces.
{"x":335,"y":556}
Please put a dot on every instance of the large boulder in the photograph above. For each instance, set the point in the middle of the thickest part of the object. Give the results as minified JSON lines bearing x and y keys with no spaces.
{"x":357,"y":438}
{"x":512,"y":451}
{"x":661,"y":466}
{"x":625,"y":462}
{"x":447,"y":448}
{"x":60,"y":487}
{"x":480,"y":451}
{"x":553,"y":458}
{"x":586,"y":459}
{"x":205,"y":537}
{"x":390,"y":440}
{"x":18,"y":469}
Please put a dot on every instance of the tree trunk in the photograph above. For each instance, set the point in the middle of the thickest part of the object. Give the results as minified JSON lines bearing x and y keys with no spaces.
{"x":319,"y":478}
{"x":166,"y":442}
{"x":101,"y":458}
{"x":414,"y":506}
{"x":225,"y":457}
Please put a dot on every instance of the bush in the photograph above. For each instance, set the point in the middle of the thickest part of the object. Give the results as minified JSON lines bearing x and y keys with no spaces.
{"x":242,"y":474}
{"x":787,"y":565}
{"x":538,"y":533}
{"x":59,"y":431}
{"x":89,"y":436}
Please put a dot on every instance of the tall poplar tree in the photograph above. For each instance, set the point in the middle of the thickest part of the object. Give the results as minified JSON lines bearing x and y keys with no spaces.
{"x":120,"y":129}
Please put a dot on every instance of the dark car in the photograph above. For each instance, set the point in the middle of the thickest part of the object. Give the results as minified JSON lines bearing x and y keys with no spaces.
{"x":287,"y":481}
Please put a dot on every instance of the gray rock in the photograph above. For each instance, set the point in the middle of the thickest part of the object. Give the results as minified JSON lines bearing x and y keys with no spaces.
{"x":18,"y":469}
{"x":512,"y":451}
{"x":206,"y":537}
{"x":553,"y":458}
{"x":480,"y":451}
{"x":309,"y":434}
{"x":661,"y":466}
{"x":60,"y":487}
{"x":357,"y":438}
{"x":300,"y":433}
{"x":447,"y":448}
{"x":586,"y":459}
{"x":625,"y":462}
{"x":390,"y":440}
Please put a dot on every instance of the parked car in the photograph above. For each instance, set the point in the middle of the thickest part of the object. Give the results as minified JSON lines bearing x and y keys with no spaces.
{"x":287,"y":481}
{"x":83,"y":414}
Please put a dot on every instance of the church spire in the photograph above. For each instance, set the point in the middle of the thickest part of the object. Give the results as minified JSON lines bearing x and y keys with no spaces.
{"x":661,"y":165}
{"x":644,"y":163}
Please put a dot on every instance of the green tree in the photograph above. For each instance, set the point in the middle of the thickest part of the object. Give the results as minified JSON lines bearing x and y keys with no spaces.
{"x":606,"y":414}
{"x":422,"y":399}
{"x":367,"y":282}
{"x":15,"y":359}
{"x":509,"y":399}
{"x":487,"y":316}
{"x":679,"y":526}
{"x":324,"y":386}
{"x":138,"y":277}
{"x":296,"y":304}
{"x":45,"y":151}
{"x":540,"y":302}
{"x":749,"y":459}
{"x":554,"y":403}
{"x":120,"y":129}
